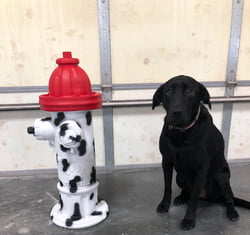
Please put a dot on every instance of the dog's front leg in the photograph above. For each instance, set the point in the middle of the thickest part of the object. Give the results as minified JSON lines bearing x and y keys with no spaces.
{"x":167,"y":166}
{"x":189,"y":220}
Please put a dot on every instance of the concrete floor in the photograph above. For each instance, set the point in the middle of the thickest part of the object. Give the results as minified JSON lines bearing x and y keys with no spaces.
{"x":25,"y":204}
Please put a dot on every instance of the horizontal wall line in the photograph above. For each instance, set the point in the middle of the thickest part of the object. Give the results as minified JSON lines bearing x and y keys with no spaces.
{"x":243,"y":83}
{"x":103,"y":169}
{"x":148,"y":102}
{"x":33,"y":89}
{"x":142,"y":86}
{"x":121,"y":103}
{"x":122,"y":86}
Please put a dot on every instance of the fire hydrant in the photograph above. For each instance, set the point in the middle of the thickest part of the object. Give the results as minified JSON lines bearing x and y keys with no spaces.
{"x":69,"y":130}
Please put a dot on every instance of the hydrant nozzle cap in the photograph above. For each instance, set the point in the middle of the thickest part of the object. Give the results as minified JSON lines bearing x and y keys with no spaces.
{"x":69,"y":88}
{"x":67,"y":59}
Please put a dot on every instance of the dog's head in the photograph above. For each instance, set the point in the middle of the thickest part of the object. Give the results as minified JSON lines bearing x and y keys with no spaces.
{"x":181,"y":97}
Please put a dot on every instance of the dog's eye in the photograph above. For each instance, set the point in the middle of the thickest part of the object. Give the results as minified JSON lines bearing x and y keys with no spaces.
{"x":188,"y":91}
{"x":169,"y":91}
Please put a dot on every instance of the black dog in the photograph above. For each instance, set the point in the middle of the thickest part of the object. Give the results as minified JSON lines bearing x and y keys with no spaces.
{"x":192,"y":145}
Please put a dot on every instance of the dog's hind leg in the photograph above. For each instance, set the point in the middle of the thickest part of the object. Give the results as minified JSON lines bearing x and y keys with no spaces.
{"x":222,"y":180}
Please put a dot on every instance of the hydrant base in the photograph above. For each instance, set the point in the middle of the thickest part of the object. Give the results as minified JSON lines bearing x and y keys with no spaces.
{"x":100,"y":213}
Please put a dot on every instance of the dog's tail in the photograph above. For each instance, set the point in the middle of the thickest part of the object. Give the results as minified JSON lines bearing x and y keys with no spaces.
{"x":241,"y":203}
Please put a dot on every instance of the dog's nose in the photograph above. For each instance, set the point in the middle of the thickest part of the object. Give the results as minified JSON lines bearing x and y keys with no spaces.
{"x":177,"y":112}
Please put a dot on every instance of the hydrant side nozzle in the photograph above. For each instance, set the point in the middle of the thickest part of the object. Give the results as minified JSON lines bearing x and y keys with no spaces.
{"x":44,"y":129}
{"x":31,"y":130}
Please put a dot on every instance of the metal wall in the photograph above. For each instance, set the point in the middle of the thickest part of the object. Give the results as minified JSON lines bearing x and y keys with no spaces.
{"x":128,"y":48}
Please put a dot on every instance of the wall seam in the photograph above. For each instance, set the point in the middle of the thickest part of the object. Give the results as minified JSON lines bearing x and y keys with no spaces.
{"x":106,"y":79}
{"x":232,"y":63}
{"x":118,"y":86}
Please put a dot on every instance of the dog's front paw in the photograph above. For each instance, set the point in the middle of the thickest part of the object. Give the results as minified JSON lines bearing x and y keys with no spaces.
{"x":232,"y":214}
{"x":187,"y":224}
{"x":163,"y":207}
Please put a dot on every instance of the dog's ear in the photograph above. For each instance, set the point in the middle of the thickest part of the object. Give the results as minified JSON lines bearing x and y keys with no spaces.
{"x":158,"y":97}
{"x":205,"y":97}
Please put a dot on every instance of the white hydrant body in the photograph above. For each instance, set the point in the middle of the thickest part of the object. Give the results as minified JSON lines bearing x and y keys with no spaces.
{"x":71,"y":134}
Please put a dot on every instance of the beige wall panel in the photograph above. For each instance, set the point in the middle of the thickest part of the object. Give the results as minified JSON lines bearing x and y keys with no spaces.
{"x":152,"y":41}
{"x":244,"y":53}
{"x":136,"y":135}
{"x":242,"y":90}
{"x":239,"y":144}
{"x":137,"y":132}
{"x":20,"y":151}
{"x":34,"y":33}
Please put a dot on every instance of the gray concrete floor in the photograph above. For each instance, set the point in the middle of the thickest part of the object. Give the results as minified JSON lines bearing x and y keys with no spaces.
{"x":132,"y":195}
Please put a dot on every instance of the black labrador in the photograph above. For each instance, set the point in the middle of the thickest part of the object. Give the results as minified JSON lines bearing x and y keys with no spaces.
{"x":192,"y":145}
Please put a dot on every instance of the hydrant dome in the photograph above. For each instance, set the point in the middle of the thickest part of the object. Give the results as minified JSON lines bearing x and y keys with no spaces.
{"x":69,"y":88}
{"x":69,"y":82}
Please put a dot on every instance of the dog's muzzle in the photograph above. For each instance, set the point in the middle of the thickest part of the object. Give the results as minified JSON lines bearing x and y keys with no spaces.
{"x":182,"y":129}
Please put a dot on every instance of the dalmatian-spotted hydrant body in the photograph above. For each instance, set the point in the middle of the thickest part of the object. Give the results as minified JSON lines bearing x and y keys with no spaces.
{"x":69,"y":130}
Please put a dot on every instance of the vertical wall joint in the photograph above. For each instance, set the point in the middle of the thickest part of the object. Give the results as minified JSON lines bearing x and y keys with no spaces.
{"x":105,"y":49}
{"x":106,"y":78}
{"x":232,"y":63}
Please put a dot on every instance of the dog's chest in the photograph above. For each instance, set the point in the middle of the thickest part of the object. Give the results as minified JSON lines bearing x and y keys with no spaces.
{"x":186,"y":162}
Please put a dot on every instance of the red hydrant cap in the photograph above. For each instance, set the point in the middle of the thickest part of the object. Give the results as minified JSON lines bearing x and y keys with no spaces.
{"x":69,"y":88}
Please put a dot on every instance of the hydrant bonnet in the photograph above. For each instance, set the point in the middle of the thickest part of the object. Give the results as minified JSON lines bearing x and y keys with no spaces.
{"x":69,"y":88}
